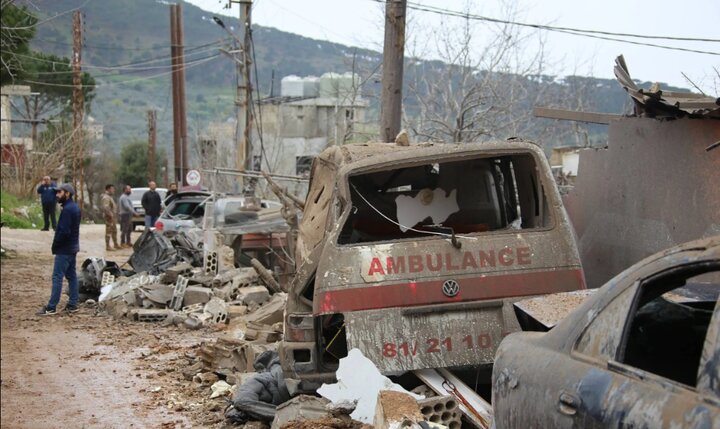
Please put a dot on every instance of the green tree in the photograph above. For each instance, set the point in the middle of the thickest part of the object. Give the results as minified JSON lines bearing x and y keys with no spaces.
{"x":17,"y":28}
{"x":133,"y":168}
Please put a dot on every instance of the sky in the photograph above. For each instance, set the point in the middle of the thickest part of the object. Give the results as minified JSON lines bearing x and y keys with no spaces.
{"x":360,"y":23}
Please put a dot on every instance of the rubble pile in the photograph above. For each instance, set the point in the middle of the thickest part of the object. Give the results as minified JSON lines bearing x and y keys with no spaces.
{"x":173,"y":284}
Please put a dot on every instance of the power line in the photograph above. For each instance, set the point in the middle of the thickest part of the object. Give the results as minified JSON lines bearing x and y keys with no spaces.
{"x":129,"y":70}
{"x":595,"y":34}
{"x":116,"y":48}
{"x":124,"y":81}
{"x":50,"y":18}
{"x":443,"y":11}
{"x":129,"y":66}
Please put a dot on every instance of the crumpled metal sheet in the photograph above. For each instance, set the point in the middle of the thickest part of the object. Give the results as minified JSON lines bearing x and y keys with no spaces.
{"x":153,"y":253}
{"x":656,"y":103}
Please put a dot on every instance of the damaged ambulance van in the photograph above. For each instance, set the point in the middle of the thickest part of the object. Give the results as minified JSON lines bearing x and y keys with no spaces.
{"x":415,"y":254}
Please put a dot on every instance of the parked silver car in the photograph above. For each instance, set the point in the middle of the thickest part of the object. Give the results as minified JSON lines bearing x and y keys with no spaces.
{"x":250,"y":231}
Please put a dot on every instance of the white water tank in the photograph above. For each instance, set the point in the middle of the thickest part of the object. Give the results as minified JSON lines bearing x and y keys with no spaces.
{"x":311,"y":86}
{"x":291,"y":86}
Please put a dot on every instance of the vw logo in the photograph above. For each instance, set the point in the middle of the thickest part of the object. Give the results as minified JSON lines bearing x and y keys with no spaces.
{"x":450,"y":288}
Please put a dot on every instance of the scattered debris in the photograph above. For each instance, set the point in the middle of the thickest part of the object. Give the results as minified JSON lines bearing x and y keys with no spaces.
{"x":359,"y":380}
{"x":395,"y":410}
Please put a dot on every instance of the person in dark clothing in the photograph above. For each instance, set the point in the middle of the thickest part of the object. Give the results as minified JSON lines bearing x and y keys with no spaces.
{"x":152,"y":203}
{"x":48,"y":201}
{"x":65,"y":246}
{"x":171,"y":193}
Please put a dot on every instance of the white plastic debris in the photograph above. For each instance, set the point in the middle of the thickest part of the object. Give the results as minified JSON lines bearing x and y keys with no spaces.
{"x":220,"y":388}
{"x":359,"y":380}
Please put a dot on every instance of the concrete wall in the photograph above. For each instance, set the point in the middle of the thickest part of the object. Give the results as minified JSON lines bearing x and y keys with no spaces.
{"x":653,"y":187}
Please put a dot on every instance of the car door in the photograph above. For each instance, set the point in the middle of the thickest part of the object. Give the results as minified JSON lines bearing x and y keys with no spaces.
{"x":648,"y":377}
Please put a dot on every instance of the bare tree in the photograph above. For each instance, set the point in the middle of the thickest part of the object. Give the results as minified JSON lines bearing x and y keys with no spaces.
{"x":50,"y":156}
{"x":476,"y":90}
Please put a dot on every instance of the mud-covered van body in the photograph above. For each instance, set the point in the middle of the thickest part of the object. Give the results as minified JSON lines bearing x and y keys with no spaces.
{"x":415,"y":254}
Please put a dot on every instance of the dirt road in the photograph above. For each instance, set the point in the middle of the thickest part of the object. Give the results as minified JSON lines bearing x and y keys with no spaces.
{"x":87,"y":369}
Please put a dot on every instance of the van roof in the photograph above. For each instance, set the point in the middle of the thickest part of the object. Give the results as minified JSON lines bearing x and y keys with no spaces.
{"x":370,"y":153}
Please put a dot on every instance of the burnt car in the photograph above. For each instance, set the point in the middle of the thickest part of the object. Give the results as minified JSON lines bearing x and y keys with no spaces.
{"x":642,"y":352}
{"x":415,"y":255}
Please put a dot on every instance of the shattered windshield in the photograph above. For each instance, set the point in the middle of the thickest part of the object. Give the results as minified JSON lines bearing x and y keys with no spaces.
{"x":455,"y":197}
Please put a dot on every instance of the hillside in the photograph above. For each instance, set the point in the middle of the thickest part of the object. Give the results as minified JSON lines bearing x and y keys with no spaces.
{"x":127,"y":51}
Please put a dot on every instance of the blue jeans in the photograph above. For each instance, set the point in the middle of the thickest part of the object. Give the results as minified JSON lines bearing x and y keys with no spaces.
{"x":150,"y":221}
{"x":64,"y":267}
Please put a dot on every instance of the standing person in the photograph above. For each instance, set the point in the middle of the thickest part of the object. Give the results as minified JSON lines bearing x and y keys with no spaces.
{"x":48,"y":201}
{"x":126,"y":211}
{"x":152,"y":203}
{"x":65,"y":246}
{"x":171,"y":193}
{"x":109,"y":209}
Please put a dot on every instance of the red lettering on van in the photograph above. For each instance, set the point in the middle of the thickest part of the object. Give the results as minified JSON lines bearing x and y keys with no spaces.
{"x":376,"y":267}
{"x":415,"y":263}
{"x":505,"y":256}
{"x":523,"y":256}
{"x":395,"y":265}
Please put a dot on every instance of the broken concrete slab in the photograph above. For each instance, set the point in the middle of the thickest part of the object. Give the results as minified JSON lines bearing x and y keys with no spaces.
{"x":172,"y":273}
{"x":196,"y":295}
{"x":359,"y":380}
{"x":253,"y":295}
{"x":302,"y":407}
{"x":270,"y":312}
{"x":235,"y":311}
{"x":262,"y":333}
{"x":227,"y":276}
{"x":396,"y":410}
{"x":202,"y":279}
{"x":247,"y":277}
{"x":149,"y":314}
{"x":158,"y":293}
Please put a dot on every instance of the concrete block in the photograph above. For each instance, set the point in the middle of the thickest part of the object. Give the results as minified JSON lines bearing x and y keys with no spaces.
{"x":395,"y":410}
{"x":253,"y":294}
{"x":217,"y":310}
{"x":235,"y":310}
{"x":443,"y":410}
{"x":172,"y":273}
{"x":302,"y":407}
{"x":270,"y":312}
{"x":158,"y":293}
{"x":149,"y":314}
{"x":196,"y":295}
{"x":246,"y":277}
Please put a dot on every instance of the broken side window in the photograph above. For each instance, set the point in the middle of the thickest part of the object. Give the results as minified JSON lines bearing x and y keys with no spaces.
{"x":462,"y":197}
{"x":666,"y":329}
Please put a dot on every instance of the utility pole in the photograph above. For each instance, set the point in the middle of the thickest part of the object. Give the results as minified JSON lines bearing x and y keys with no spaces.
{"x":243,"y":97}
{"x":392,"y":78}
{"x":180,"y":142}
{"x":152,"y":144}
{"x":78,"y":109}
{"x":176,"y":111}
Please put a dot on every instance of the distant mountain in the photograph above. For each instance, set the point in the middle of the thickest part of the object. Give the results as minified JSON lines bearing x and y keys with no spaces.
{"x":127,"y":49}
{"x":129,"y":41}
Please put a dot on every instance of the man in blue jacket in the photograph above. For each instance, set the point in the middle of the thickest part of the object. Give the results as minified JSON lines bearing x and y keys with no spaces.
{"x":48,"y":201}
{"x":65,"y":246}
